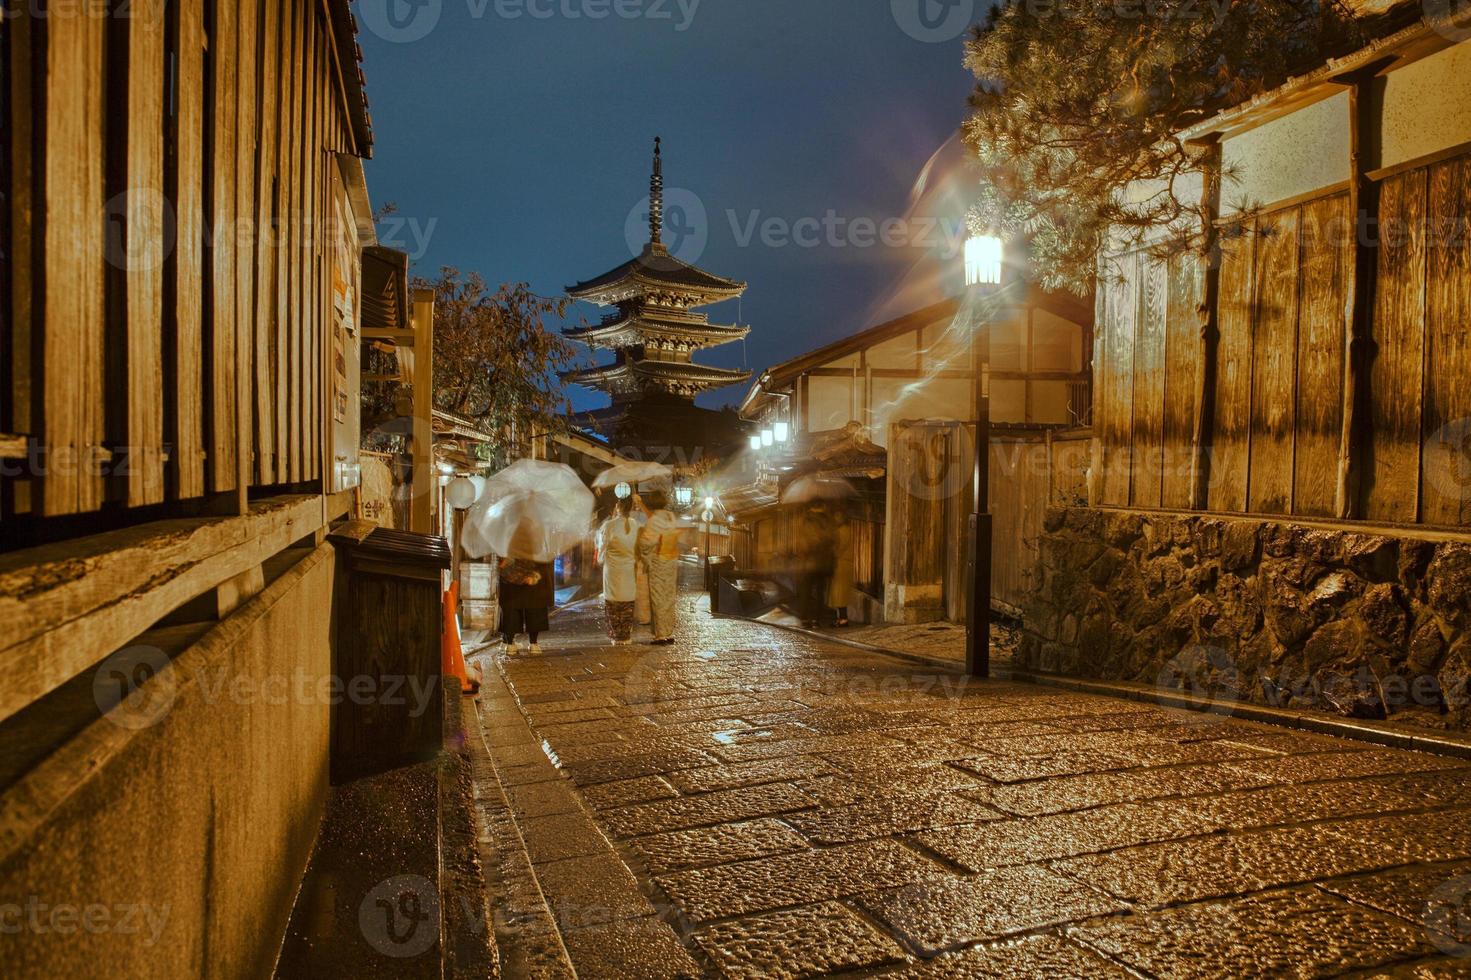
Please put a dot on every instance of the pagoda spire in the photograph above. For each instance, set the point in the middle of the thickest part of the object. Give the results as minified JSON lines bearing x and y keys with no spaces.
{"x":656,"y":199}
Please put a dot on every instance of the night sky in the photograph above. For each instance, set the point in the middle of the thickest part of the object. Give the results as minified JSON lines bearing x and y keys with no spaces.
{"x":518,"y":146}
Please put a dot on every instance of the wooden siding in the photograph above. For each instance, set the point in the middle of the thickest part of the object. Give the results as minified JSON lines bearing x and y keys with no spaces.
{"x":1277,"y":423}
{"x":166,"y":182}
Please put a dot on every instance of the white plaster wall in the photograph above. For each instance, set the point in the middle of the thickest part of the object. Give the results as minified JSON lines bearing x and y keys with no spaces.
{"x":1427,"y":106}
{"x":1294,"y":155}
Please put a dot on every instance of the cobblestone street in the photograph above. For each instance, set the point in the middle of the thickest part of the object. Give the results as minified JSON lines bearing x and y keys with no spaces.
{"x":753,"y":803}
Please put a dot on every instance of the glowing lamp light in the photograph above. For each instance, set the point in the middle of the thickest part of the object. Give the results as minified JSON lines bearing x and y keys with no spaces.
{"x":709,"y":502}
{"x":782,"y":431}
{"x":461,"y":492}
{"x":983,"y":255}
{"x":623,"y":491}
{"x":767,"y":437}
{"x":755,"y":443}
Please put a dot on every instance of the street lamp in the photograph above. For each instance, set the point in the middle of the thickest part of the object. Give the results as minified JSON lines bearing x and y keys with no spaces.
{"x":984,"y":255}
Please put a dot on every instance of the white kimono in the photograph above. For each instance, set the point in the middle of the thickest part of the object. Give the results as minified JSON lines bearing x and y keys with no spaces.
{"x":617,"y":543}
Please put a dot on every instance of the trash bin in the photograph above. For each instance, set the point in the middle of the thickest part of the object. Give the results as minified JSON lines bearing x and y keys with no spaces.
{"x":717,"y":567}
{"x":387,"y":687}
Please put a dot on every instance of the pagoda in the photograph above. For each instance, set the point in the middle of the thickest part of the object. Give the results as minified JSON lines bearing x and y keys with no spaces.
{"x":653,"y":332}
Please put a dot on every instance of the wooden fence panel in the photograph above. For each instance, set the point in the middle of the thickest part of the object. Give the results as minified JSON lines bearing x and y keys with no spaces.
{"x":72,"y":379}
{"x":1116,"y":423}
{"x":142,"y":260}
{"x":247,"y":237}
{"x":1232,"y":431}
{"x":266,"y":372}
{"x":1327,"y":250}
{"x":223,"y":437}
{"x":22,"y":61}
{"x":1182,"y":347}
{"x":1274,"y":364}
{"x":1396,"y":370}
{"x":1447,"y":427}
{"x":1147,"y":485}
{"x":291,"y":168}
{"x":186,"y":386}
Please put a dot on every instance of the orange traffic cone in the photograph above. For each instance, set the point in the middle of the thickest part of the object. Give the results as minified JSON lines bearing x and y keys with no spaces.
{"x":452,"y":654}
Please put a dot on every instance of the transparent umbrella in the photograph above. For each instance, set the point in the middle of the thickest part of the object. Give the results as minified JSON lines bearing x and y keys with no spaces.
{"x":633,"y":472}
{"x":808,"y":489}
{"x":533,"y":509}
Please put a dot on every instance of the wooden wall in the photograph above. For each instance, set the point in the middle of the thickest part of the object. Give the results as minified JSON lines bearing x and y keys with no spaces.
{"x":1276,"y":432}
{"x":1030,"y":471}
{"x":166,"y":279}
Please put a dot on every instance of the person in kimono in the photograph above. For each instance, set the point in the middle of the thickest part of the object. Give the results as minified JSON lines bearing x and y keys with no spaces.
{"x":658,"y":551}
{"x":618,"y":551}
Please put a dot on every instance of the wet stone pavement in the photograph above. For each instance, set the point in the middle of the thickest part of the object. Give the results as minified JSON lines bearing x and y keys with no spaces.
{"x":753,"y":803}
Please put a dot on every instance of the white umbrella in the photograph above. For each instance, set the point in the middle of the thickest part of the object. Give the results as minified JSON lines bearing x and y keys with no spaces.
{"x":808,"y":489}
{"x":633,"y":472}
{"x":533,"y":509}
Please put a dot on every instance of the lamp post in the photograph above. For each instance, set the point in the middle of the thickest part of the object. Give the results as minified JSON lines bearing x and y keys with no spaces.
{"x":708,"y":515}
{"x":983,"y":263}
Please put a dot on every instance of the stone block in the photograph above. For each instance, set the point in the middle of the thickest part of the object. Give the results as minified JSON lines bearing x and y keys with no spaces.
{"x":1449,"y":584}
{"x":1121,"y":530}
{"x":1371,"y":556}
{"x":1239,"y":545}
{"x":1383,"y":613}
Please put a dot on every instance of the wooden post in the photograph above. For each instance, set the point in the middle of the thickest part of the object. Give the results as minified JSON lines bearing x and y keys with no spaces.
{"x":1210,"y":334}
{"x":1359,"y":291}
{"x":421,"y":512}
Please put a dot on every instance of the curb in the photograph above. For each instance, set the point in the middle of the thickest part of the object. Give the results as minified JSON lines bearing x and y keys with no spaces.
{"x":1447,"y":745}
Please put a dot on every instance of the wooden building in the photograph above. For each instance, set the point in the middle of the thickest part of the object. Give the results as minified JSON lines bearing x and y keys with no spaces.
{"x":892,"y":410}
{"x":184,"y":216}
{"x":1304,"y":374}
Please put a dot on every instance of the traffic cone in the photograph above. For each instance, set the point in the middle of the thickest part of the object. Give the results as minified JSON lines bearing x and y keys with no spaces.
{"x":452,"y":653}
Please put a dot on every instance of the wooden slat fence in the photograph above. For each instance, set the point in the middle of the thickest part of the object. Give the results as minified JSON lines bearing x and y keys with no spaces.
{"x":1277,"y":434}
{"x":166,"y":194}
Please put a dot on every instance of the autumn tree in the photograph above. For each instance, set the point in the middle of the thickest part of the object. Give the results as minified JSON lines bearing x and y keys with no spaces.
{"x":495,"y":360}
{"x":1077,"y":99}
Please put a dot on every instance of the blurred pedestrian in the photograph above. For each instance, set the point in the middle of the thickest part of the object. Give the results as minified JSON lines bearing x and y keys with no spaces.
{"x":527,"y":594}
{"x":618,"y":550}
{"x":658,"y":550}
{"x":840,"y":585}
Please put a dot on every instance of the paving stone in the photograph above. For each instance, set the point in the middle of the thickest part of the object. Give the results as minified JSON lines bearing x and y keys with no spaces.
{"x":727,"y":806}
{"x":1022,"y":841}
{"x":1031,"y":958}
{"x":806,"y":942}
{"x":1156,"y":875}
{"x":634,"y":766}
{"x":1298,"y":804}
{"x":946,"y":913}
{"x":1099,"y":789}
{"x":887,"y":816}
{"x":738,"y":774}
{"x":591,"y":891}
{"x":560,"y":836}
{"x":683,"y":849}
{"x":1413,"y":837}
{"x":1450,"y":788}
{"x":628,"y":791}
{"x":869,"y":784}
{"x":1299,"y":934}
{"x":1404,"y":892}
{"x":812,"y":745}
{"x":644,"y":948}
{"x":1021,"y":768}
{"x":543,"y":799}
{"x":794,"y":879}
{"x":1346,"y":765}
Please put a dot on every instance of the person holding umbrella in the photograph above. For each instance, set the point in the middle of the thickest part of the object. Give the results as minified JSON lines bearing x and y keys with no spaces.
{"x":527,"y":595}
{"x":658,"y":550}
{"x":617,"y":549}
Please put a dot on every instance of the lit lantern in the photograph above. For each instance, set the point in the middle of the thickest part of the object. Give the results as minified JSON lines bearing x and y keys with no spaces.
{"x":983,"y":257}
{"x":461,"y":492}
{"x":623,"y":491}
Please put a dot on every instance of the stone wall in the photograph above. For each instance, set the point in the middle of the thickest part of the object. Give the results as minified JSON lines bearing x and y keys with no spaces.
{"x":1288,"y":615}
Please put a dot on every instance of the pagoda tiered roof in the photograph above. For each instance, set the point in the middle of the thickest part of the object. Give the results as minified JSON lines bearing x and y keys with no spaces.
{"x":681,"y":378}
{"x":658,"y":329}
{"x":657,"y":276}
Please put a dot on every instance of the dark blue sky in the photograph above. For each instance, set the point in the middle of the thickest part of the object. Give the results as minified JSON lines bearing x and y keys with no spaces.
{"x":518,"y":146}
